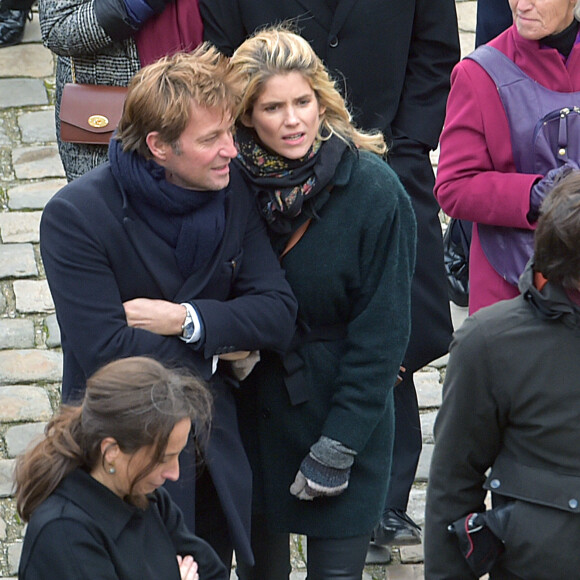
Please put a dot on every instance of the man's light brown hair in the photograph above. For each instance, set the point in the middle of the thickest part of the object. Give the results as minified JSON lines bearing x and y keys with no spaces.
{"x":161,"y":94}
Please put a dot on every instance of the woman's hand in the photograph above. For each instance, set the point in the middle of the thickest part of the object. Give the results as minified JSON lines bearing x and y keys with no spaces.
{"x":187,"y":568}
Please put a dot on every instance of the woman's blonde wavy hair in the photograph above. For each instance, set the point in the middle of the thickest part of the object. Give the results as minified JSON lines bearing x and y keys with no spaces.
{"x":277,"y":50}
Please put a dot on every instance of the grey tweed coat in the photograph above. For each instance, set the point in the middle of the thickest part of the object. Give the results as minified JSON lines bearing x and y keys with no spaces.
{"x":70,"y":29}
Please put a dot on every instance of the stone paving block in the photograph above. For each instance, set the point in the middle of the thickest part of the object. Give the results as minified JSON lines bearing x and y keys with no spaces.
{"x":21,"y":92}
{"x":4,"y":137}
{"x":19,"y":437}
{"x":32,"y":30}
{"x":295,"y":575}
{"x":434,"y":156}
{"x":405,"y":572}
{"x":424,"y":463}
{"x":37,"y":126}
{"x":416,"y":505}
{"x":466,"y":16}
{"x":33,"y":195}
{"x":2,"y":529}
{"x":2,"y":302}
{"x":17,"y":261}
{"x":427,"y":422}
{"x":19,"y":227}
{"x":412,"y":554}
{"x":6,"y":471}
{"x":27,"y":60}
{"x":458,"y":314}
{"x":37,"y":162}
{"x":14,"y":553}
{"x":428,"y":388}
{"x":32,"y":296}
{"x":29,"y":366}
{"x":440,"y":362}
{"x":16,"y":333}
{"x":24,"y":403}
{"x":466,"y":42}
{"x":53,"y":331}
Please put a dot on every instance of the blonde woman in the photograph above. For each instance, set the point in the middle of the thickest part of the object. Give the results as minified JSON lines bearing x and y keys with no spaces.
{"x":319,"y":421}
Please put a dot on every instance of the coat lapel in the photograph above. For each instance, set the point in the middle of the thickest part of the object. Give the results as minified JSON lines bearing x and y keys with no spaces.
{"x":324,"y":15}
{"x":157,"y":256}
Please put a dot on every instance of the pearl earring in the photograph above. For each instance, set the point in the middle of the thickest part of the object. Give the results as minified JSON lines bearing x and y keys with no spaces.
{"x":112,"y":469}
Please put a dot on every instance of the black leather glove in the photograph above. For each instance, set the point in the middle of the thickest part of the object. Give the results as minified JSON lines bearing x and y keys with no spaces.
{"x":325,"y":471}
{"x":480,"y":537}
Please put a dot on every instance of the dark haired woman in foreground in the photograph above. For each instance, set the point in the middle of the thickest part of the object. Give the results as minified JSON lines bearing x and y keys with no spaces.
{"x":91,"y":489}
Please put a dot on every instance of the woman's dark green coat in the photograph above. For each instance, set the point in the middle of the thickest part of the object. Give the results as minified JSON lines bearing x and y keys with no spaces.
{"x":351,"y":273}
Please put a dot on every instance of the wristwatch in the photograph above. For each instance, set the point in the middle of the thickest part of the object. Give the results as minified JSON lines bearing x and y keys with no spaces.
{"x":188,"y":327}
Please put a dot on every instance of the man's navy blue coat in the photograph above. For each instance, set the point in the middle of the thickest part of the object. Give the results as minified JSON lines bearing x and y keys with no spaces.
{"x":98,"y":254}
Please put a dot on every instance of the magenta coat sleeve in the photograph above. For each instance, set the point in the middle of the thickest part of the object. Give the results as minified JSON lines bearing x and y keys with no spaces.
{"x":476,"y":176}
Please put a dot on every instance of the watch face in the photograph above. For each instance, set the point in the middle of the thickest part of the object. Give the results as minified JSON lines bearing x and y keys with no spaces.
{"x":188,"y":329}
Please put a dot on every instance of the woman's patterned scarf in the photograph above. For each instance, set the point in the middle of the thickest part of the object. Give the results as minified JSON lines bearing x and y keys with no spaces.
{"x":281,"y":185}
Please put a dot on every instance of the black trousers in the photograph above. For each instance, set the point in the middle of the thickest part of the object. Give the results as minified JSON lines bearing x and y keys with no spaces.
{"x":407,"y":446}
{"x":431,"y":329}
{"x":327,"y":558}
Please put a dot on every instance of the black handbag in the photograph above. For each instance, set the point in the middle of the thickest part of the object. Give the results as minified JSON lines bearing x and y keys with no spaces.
{"x":456,"y":242}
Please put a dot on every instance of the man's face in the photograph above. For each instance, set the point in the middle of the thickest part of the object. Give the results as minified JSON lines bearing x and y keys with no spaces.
{"x":205,"y":149}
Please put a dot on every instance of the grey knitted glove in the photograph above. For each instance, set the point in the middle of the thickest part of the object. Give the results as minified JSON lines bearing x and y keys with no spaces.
{"x":325,"y":471}
{"x":541,"y":188}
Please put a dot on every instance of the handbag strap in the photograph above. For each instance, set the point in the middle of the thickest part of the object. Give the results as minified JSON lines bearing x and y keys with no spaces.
{"x":73,"y":72}
{"x":295,"y":237}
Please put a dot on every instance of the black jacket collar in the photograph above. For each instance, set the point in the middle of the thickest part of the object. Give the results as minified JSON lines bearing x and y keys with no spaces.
{"x":98,"y":502}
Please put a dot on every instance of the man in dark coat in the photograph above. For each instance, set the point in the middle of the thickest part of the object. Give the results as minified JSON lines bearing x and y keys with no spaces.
{"x":493,"y":17}
{"x":510,"y":422}
{"x":393,"y":60}
{"x":162,"y":252}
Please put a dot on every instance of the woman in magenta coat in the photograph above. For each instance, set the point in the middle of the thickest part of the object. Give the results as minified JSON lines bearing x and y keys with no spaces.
{"x":477,"y":179}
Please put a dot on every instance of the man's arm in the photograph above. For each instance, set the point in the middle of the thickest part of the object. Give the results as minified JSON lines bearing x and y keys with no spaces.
{"x":467,"y":440}
{"x":260,"y":311}
{"x":433,"y":52}
{"x":87,"y":298}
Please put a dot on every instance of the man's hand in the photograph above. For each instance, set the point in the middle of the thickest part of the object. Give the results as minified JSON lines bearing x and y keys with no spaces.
{"x":187,"y":568}
{"x":158,"y":316}
{"x":235,"y":356}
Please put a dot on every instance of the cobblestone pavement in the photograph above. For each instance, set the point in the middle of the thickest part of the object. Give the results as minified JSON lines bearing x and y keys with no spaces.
{"x":30,"y":356}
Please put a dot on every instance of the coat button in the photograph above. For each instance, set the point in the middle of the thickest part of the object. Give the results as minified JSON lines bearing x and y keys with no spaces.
{"x":333,"y":42}
{"x":266,"y":413}
{"x":573,"y":503}
{"x":494,"y":483}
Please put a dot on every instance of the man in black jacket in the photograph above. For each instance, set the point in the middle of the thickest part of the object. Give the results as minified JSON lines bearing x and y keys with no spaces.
{"x":510,"y":422}
{"x":393,"y":60}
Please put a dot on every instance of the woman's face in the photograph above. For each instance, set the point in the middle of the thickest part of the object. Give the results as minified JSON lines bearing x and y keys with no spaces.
{"x":128,"y":465}
{"x":286,"y":115}
{"x":536,"y":19}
